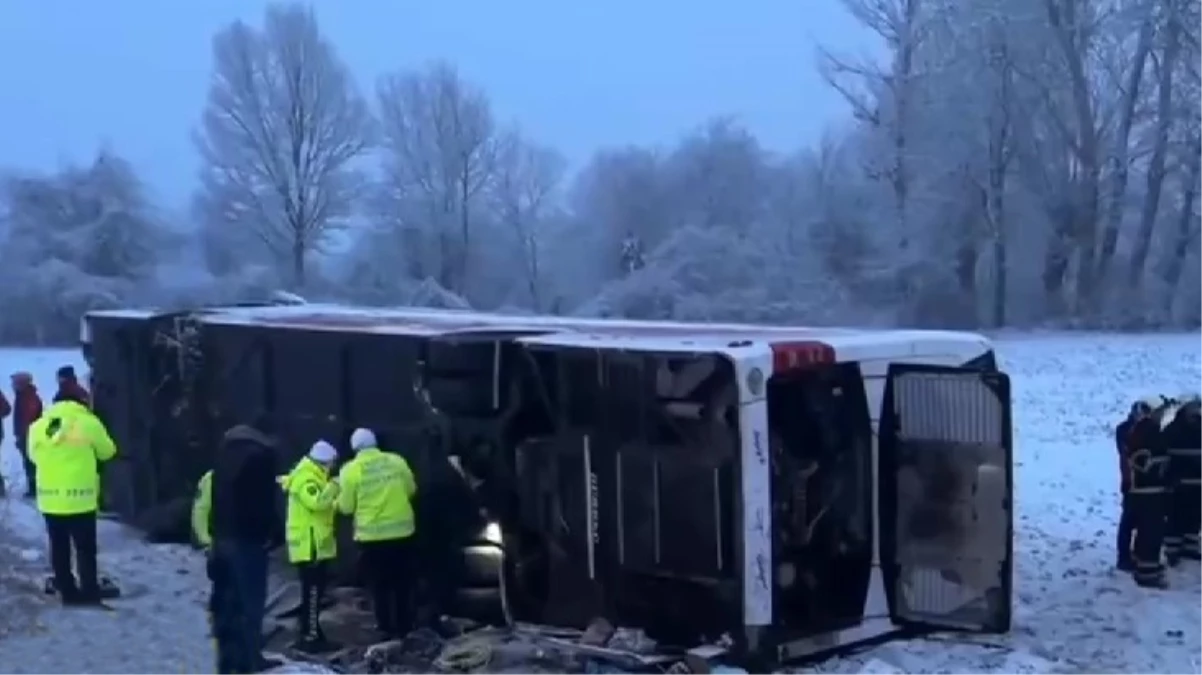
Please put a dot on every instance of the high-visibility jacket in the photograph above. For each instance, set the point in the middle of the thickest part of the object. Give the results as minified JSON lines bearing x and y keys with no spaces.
{"x":377,"y":490}
{"x":67,"y":444}
{"x":311,"y":500}
{"x":202,"y":506}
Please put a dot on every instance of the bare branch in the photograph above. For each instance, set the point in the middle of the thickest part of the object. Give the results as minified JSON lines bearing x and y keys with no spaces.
{"x":282,"y":128}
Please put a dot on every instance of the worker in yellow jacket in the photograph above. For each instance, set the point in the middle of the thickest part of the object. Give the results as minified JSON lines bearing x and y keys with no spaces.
{"x":309,"y":530}
{"x":377,"y":490}
{"x":202,"y":506}
{"x":67,"y":444}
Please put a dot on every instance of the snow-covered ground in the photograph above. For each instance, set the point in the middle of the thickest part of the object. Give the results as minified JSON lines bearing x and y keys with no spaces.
{"x":1074,"y":612}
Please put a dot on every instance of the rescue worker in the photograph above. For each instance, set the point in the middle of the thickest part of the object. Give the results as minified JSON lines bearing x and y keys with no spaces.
{"x":1148,"y":492}
{"x":244,"y":526}
{"x":27,"y":408}
{"x":69,"y":387}
{"x":1182,"y":436}
{"x":309,"y":531}
{"x":1126,"y":527}
{"x":202,"y":506}
{"x":68,"y":445}
{"x":377,"y":489}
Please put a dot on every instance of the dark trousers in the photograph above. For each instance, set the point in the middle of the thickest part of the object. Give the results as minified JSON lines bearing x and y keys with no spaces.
{"x":1183,"y":522}
{"x":1148,"y":510}
{"x":31,"y":471}
{"x":313,"y":579}
{"x":389,"y":566}
{"x":73,"y":540}
{"x":238,"y":572}
{"x":1125,"y":531}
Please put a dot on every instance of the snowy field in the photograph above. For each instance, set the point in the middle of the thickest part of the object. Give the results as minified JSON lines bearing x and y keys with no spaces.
{"x":1074,"y":613}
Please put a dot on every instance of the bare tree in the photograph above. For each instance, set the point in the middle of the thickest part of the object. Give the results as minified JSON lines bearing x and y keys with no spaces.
{"x":440,"y":151}
{"x":527,"y":177}
{"x":1166,"y":64}
{"x":283,"y":125}
{"x":885,"y":97}
{"x":1120,"y":159}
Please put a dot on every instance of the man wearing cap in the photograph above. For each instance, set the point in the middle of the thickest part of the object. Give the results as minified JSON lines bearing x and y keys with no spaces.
{"x":377,"y":489}
{"x":310,"y":536}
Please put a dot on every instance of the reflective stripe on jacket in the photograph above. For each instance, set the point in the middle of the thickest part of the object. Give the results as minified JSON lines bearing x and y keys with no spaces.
{"x":377,"y":490}
{"x":67,"y":444}
{"x":202,"y":505}
{"x":310,"y":525}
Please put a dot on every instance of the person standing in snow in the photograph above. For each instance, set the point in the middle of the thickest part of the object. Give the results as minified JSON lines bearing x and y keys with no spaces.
{"x":5,"y":409}
{"x":244,"y":525}
{"x":1122,"y":438}
{"x":312,"y":544}
{"x":68,"y":445}
{"x":69,"y":387}
{"x":377,"y":490}
{"x":1182,"y":436}
{"x":28,"y":408}
{"x":1148,"y":493}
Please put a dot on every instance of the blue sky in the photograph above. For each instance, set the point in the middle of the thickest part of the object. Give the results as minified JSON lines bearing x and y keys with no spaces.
{"x":132,"y":74}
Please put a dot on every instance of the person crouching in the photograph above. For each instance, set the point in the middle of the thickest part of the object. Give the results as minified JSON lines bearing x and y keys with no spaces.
{"x":312,"y":495}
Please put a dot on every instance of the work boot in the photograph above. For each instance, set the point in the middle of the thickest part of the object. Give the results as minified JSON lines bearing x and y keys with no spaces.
{"x":1159,"y":583}
{"x":1125,"y":565}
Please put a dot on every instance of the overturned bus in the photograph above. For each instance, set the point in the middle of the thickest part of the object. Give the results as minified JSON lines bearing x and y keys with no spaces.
{"x":796,"y":490}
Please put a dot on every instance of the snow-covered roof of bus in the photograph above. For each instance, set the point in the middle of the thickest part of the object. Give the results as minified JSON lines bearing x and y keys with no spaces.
{"x":848,"y":343}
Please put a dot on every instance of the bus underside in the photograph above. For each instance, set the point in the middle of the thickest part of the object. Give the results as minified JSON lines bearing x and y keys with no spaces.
{"x":612,"y":478}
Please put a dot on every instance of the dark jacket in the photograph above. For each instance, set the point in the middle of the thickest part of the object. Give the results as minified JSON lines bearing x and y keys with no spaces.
{"x":5,"y":409}
{"x":27,"y":408}
{"x":1182,"y":436}
{"x":1149,"y":457}
{"x":72,"y":390}
{"x":1121,"y":440}
{"x":246,"y":502}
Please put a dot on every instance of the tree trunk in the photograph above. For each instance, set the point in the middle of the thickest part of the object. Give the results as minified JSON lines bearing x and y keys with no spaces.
{"x":1120,"y":161}
{"x":1156,"y":165}
{"x":298,"y":263}
{"x":1187,"y":231}
{"x":1083,"y":208}
{"x":465,"y":230}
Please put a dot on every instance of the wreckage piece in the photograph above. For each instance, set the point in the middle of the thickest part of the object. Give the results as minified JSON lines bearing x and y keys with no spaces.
{"x":645,"y":472}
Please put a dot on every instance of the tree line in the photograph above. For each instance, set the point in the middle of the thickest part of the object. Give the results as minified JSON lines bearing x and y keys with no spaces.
{"x":1007,"y":163}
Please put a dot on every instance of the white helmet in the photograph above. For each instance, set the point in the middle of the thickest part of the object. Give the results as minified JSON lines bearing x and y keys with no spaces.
{"x":362,"y":439}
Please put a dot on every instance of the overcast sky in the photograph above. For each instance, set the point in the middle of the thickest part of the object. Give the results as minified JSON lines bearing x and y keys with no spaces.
{"x":132,"y":74}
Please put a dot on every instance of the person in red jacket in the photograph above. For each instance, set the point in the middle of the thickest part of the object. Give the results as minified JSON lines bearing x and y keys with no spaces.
{"x":28,"y":408}
{"x":69,"y":387}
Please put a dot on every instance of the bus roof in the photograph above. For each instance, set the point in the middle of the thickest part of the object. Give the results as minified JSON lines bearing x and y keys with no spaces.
{"x":572,"y":332}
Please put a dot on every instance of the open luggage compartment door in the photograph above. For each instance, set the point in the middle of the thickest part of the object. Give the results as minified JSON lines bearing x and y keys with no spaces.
{"x":945,"y":506}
